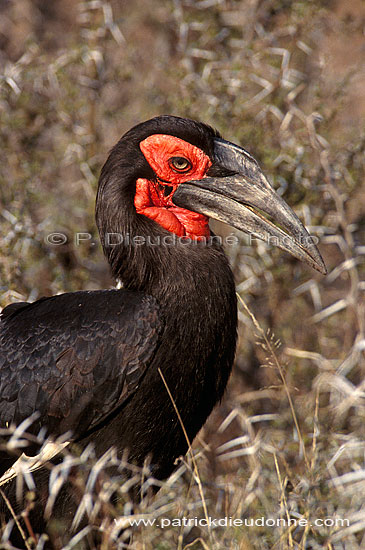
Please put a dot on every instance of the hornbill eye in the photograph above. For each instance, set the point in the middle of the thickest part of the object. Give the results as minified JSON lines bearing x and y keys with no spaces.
{"x":180,"y":164}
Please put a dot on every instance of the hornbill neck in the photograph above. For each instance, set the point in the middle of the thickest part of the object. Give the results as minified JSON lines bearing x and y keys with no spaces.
{"x":160,"y":264}
{"x":145,"y":257}
{"x":194,"y":286}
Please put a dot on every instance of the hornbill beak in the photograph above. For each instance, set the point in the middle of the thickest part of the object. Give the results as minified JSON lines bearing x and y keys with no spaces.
{"x":242,"y":199}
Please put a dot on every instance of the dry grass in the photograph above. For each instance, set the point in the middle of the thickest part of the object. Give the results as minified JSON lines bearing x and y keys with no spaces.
{"x":288,"y":439}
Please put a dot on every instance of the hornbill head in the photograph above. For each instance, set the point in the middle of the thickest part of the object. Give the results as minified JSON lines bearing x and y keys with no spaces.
{"x":178,"y":173}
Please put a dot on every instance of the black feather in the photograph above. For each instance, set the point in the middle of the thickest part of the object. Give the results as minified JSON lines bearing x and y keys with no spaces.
{"x":89,"y":361}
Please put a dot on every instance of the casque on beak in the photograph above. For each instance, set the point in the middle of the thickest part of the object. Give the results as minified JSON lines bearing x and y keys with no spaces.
{"x":242,"y":199}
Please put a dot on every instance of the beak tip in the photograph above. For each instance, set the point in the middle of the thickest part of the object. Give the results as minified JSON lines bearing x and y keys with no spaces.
{"x":318,"y":263}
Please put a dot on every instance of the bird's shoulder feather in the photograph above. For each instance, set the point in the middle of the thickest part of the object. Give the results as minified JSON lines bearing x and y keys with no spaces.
{"x":75,"y":357}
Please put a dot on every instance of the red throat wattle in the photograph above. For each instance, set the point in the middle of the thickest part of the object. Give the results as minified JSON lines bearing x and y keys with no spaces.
{"x":154,"y":198}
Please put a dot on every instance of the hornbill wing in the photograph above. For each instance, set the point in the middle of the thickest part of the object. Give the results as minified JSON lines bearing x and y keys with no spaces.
{"x":75,"y":358}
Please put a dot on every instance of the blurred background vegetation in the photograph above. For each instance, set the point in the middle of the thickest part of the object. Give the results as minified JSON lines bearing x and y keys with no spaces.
{"x":285,"y":79}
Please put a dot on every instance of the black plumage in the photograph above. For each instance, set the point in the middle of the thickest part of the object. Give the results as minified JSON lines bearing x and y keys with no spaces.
{"x":90,"y":362}
{"x":74,"y":358}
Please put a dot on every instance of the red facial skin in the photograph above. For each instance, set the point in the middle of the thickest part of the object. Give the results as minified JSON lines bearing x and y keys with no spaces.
{"x":150,"y":199}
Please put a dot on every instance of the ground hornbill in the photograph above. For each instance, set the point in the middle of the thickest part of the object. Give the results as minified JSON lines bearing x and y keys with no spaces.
{"x":90,"y":362}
